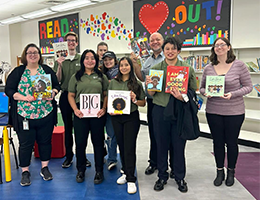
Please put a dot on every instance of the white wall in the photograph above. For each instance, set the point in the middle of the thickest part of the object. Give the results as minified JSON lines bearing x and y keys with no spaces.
{"x":5,"y":44}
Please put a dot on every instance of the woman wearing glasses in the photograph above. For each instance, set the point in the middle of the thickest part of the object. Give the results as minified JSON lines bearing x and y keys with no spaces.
{"x":226,"y":114}
{"x":33,"y":120}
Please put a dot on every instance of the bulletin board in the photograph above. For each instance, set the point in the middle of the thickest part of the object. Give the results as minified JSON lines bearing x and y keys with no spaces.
{"x":53,"y":30}
{"x":110,"y":23}
{"x":195,"y":22}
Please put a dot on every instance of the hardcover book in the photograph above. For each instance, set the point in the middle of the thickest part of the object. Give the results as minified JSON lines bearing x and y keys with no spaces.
{"x":157,"y":78}
{"x":141,"y":48}
{"x":60,"y":49}
{"x":204,"y":62}
{"x":41,"y":86}
{"x":253,"y":66}
{"x":119,"y":102}
{"x":215,"y":86}
{"x":89,"y":104}
{"x":177,"y":76}
{"x":257,"y":88}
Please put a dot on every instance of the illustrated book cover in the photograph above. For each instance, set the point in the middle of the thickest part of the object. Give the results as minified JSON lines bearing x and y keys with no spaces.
{"x":119,"y":102}
{"x":141,"y":48}
{"x":253,"y":67}
{"x":215,"y":86}
{"x":41,"y":86}
{"x":60,"y":49}
{"x":257,"y":88}
{"x":177,"y":76}
{"x":157,"y":78}
{"x":89,"y":104}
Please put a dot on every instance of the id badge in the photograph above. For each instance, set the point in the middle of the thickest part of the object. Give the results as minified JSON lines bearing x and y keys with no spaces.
{"x":25,"y":124}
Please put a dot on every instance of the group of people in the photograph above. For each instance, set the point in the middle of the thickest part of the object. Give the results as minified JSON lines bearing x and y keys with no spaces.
{"x":97,"y":73}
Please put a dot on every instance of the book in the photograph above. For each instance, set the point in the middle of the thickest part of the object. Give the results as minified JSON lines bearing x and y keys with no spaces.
{"x":252,"y":66}
{"x":200,"y":102}
{"x":89,"y":104}
{"x":141,"y":48}
{"x":157,"y":78}
{"x":258,"y":62}
{"x":204,"y":62}
{"x":119,"y":102}
{"x":257,"y":88}
{"x":215,"y":86}
{"x":60,"y":49}
{"x":49,"y":60}
{"x":177,"y":76}
{"x":41,"y":86}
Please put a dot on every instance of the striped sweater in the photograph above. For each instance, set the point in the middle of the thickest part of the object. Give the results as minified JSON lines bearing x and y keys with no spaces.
{"x":237,"y":81}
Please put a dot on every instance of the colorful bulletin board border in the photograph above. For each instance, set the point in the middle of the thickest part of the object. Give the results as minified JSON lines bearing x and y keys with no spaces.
{"x":195,"y":22}
{"x":53,"y":30}
{"x":106,"y":27}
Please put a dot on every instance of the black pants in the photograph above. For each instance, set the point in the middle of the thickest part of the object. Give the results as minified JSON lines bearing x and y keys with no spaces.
{"x":66,"y":113}
{"x":96,"y":127}
{"x":40,"y":130}
{"x":225,"y":130}
{"x":166,"y":133}
{"x":126,"y":128}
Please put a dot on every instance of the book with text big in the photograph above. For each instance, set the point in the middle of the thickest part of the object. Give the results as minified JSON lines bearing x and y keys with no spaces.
{"x":60,"y":49}
{"x":89,"y":104}
{"x":177,"y":76}
{"x":157,"y":78}
{"x":41,"y":86}
{"x":119,"y":102}
{"x":215,"y":86}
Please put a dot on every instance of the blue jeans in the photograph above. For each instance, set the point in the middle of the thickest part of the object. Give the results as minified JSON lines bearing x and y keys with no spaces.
{"x":111,"y":141}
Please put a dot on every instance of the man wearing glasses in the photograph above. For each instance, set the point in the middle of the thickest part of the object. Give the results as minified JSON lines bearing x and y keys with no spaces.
{"x":65,"y":68}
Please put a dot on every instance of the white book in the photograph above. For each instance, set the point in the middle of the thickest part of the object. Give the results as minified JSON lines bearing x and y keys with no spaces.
{"x":60,"y":49}
{"x":89,"y":104}
{"x":119,"y":102}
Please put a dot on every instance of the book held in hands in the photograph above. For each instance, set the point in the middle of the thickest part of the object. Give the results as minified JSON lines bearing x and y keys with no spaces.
{"x":89,"y":104}
{"x":157,"y":78}
{"x":41,"y":86}
{"x":177,"y":77}
{"x":60,"y":49}
{"x":119,"y":102}
{"x":215,"y":86}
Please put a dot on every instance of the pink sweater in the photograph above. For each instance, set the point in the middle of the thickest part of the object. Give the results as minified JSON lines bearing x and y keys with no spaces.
{"x":237,"y":81}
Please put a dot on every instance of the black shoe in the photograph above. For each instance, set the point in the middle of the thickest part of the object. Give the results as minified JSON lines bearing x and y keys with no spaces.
{"x":159,"y":185}
{"x":99,"y":177}
{"x":25,"y":181}
{"x":88,"y":163}
{"x":46,"y":174}
{"x":67,"y":163}
{"x":150,"y":170}
{"x":182,"y":185}
{"x":230,"y":177}
{"x":80,"y":177}
{"x":220,"y":177}
{"x":172,"y":174}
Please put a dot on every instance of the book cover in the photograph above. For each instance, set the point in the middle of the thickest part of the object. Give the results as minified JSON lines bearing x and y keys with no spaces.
{"x":157,"y":78}
{"x":141,"y":48}
{"x":258,"y":62}
{"x":177,"y":76}
{"x":257,"y":88}
{"x":49,"y":60}
{"x":200,"y":102}
{"x":60,"y":49}
{"x":204,"y":62}
{"x":215,"y":86}
{"x":119,"y":102}
{"x":41,"y":86}
{"x":253,"y":66}
{"x":89,"y":104}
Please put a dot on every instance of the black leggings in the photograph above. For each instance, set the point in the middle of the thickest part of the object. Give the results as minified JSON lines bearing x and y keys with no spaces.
{"x":225,"y":130}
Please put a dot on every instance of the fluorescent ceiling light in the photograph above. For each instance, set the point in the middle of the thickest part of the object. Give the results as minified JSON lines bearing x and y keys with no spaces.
{"x":71,"y":5}
{"x":12,"y":20}
{"x":38,"y":13}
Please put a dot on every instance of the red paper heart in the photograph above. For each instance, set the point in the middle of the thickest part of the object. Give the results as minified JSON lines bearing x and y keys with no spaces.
{"x":153,"y":18}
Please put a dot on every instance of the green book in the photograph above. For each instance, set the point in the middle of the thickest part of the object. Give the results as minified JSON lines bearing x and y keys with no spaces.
{"x":215,"y":86}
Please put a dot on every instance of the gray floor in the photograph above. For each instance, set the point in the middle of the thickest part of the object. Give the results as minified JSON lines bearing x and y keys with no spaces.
{"x":200,"y":173}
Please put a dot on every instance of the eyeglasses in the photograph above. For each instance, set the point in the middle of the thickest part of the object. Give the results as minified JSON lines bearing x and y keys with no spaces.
{"x":32,"y":53}
{"x":219,"y":45}
{"x":71,"y":40}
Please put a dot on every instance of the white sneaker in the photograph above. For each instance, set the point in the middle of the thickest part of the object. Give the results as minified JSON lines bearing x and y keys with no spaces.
{"x":121,"y":180}
{"x":131,"y":188}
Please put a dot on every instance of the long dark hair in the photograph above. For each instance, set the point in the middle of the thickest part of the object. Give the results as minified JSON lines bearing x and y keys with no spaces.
{"x":132,"y":81}
{"x":81,"y":72}
{"x":23,"y":57}
{"x":230,"y":54}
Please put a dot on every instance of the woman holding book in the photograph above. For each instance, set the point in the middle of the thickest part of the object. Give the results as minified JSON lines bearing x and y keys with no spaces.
{"x":165,"y":127}
{"x":126,"y":127}
{"x":33,"y":120}
{"x":225,"y":114}
{"x":88,"y":80}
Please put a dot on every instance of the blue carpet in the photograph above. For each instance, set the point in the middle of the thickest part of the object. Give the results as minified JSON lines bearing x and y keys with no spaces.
{"x":64,"y":185}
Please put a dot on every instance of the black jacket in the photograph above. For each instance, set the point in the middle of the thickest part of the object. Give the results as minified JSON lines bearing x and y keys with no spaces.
{"x":12,"y":87}
{"x":185,"y":114}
